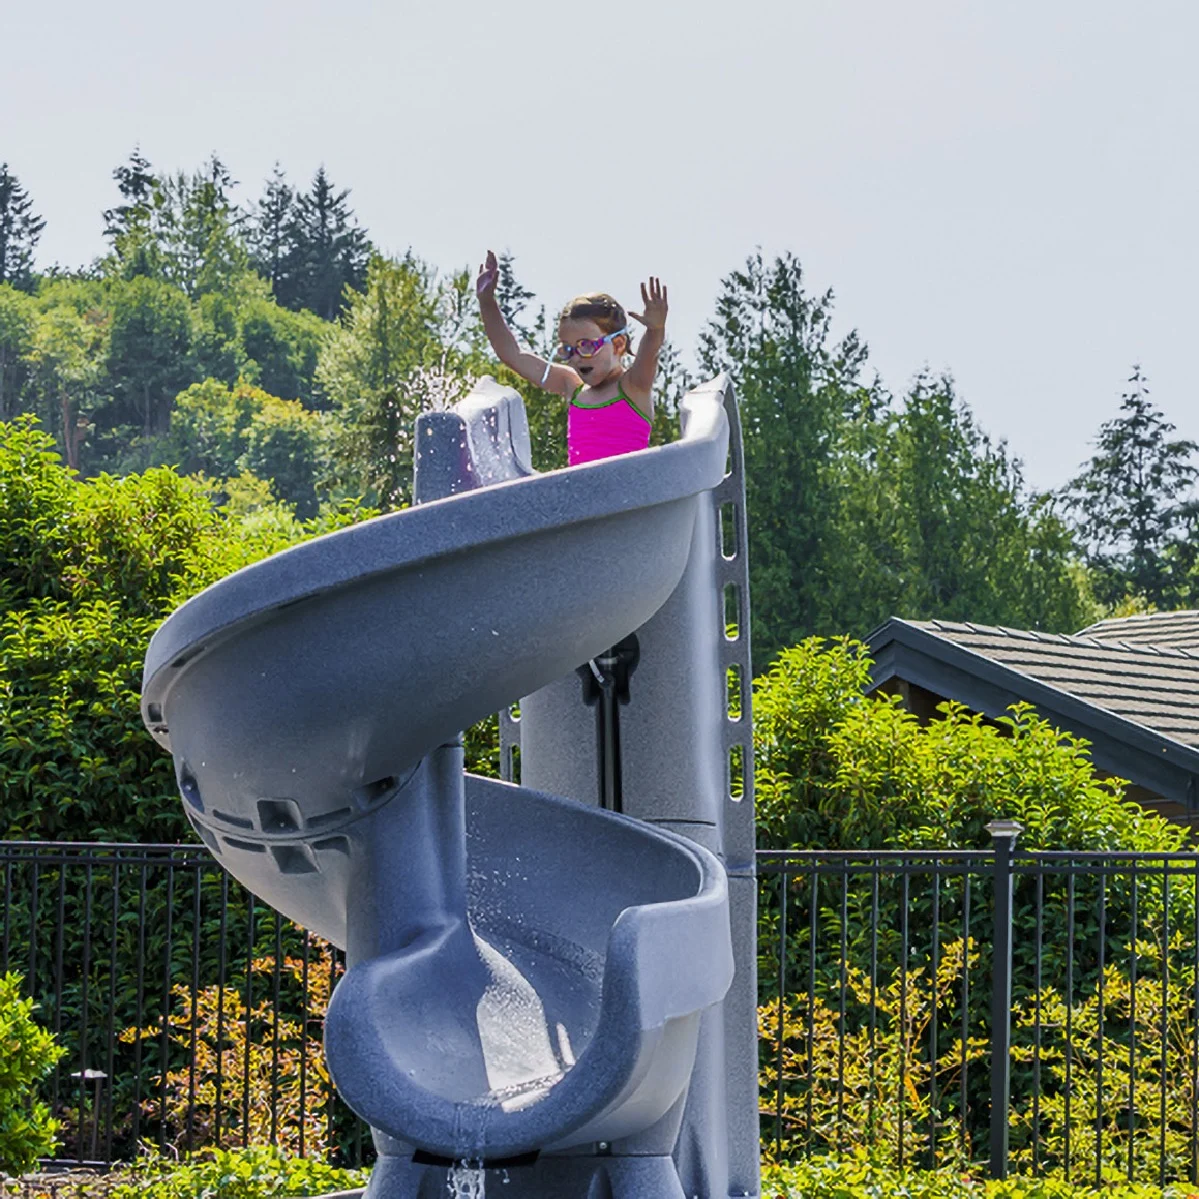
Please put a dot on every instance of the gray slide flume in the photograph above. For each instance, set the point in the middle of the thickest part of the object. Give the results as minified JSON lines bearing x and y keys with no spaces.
{"x":527,"y":972}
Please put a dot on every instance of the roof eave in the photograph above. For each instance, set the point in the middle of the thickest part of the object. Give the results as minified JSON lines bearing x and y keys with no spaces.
{"x":1119,"y":746}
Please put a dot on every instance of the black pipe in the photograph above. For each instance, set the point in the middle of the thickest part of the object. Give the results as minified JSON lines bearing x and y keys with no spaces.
{"x":606,"y":686}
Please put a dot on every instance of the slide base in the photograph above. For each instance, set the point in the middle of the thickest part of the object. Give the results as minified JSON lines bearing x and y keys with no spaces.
{"x":561,"y":1177}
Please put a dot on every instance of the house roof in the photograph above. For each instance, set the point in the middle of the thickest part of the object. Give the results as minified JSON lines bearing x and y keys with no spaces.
{"x":1136,"y":703}
{"x":1168,"y":630}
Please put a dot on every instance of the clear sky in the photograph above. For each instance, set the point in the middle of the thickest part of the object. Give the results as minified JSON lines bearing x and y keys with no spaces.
{"x":1004,"y":189}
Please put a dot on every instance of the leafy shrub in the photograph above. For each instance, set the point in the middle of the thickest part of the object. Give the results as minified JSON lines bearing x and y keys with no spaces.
{"x":75,"y":761}
{"x":1116,"y":1066}
{"x":839,"y":769}
{"x":249,"y":1076}
{"x":27,"y":1054}
{"x":807,"y":693}
{"x":858,"y":1176}
{"x":256,"y":1173}
{"x":35,"y":498}
{"x":856,"y":1072}
{"x":87,"y":571}
{"x":1116,"y":1062}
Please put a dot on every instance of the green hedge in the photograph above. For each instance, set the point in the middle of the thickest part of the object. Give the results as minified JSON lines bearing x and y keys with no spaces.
{"x":839,"y":769}
{"x":858,"y":1177}
{"x":255,"y":1173}
{"x":87,"y":572}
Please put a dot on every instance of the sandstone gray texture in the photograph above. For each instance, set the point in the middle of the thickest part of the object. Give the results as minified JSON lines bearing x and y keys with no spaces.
{"x":534,"y":981}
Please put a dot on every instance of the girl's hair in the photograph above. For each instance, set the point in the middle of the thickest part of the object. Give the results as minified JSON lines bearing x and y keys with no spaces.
{"x":603,"y":310}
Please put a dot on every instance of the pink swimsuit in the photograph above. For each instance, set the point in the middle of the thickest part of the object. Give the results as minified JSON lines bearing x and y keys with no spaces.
{"x":612,"y":428}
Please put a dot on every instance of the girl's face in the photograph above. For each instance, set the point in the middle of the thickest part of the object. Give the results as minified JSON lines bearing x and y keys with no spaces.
{"x":604,"y":363}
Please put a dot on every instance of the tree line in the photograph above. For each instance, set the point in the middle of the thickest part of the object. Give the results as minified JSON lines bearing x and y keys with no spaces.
{"x":270,"y":349}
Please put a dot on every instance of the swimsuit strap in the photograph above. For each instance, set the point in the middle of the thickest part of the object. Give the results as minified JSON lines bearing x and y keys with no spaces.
{"x":620,"y":395}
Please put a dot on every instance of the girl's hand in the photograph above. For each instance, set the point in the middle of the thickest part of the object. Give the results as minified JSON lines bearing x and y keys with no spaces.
{"x":654,"y":306}
{"x":489,"y":274}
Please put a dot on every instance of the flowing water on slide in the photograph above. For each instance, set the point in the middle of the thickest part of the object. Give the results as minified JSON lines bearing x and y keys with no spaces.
{"x":465,"y":1181}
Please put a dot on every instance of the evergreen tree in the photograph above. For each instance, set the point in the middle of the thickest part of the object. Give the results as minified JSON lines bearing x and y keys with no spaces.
{"x":20,"y":229}
{"x":136,"y":182}
{"x":328,"y":251}
{"x":672,"y":383}
{"x":860,"y":509}
{"x":1180,"y":560}
{"x":200,"y":230}
{"x":799,"y":391}
{"x":1131,"y":500}
{"x":130,"y":225}
{"x":269,"y":232}
{"x":961,"y":538}
{"x":182,"y":229}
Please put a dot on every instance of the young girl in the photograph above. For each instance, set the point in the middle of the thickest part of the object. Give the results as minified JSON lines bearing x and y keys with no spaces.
{"x":611,"y":408}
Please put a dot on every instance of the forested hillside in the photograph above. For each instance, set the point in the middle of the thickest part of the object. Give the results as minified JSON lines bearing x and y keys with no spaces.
{"x":265,"y":347}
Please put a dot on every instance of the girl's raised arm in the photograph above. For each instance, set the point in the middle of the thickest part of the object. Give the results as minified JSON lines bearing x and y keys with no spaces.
{"x":549,"y":376}
{"x":639,"y":378}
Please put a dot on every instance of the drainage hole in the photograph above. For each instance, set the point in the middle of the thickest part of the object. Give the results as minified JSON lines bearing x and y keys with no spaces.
{"x":293,"y":859}
{"x":279,"y":815}
{"x":190,"y":789}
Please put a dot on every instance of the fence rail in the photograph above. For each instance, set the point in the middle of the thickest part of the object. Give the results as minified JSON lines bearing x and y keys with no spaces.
{"x":1026,"y":1011}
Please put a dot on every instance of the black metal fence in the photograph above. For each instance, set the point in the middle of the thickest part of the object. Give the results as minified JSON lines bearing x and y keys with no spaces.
{"x":190,"y":1012}
{"x":1027,"y":1011}
{"x":1024,"y":1011}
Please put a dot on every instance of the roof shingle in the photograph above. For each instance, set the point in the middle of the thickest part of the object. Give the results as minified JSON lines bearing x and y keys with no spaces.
{"x":1156,"y":686}
{"x":1167,"y":630}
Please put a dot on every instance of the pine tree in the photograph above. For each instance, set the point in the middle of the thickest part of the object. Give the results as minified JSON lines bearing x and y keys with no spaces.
{"x":269,"y":233}
{"x":136,"y":182}
{"x":798,"y":390}
{"x":133,"y":228}
{"x":180,"y":228}
{"x":1131,"y":499}
{"x":204,"y":229}
{"x":952,"y":529}
{"x":20,"y":229}
{"x":859,"y":509}
{"x":329,"y":251}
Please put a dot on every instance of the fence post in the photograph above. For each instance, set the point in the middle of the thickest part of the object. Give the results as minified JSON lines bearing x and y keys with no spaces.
{"x":1003,"y":839}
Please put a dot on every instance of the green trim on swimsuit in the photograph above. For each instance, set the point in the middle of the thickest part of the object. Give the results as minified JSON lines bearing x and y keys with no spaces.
{"x":620,"y":395}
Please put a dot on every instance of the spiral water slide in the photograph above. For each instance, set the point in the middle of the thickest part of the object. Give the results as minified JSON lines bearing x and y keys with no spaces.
{"x":536,"y":982}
